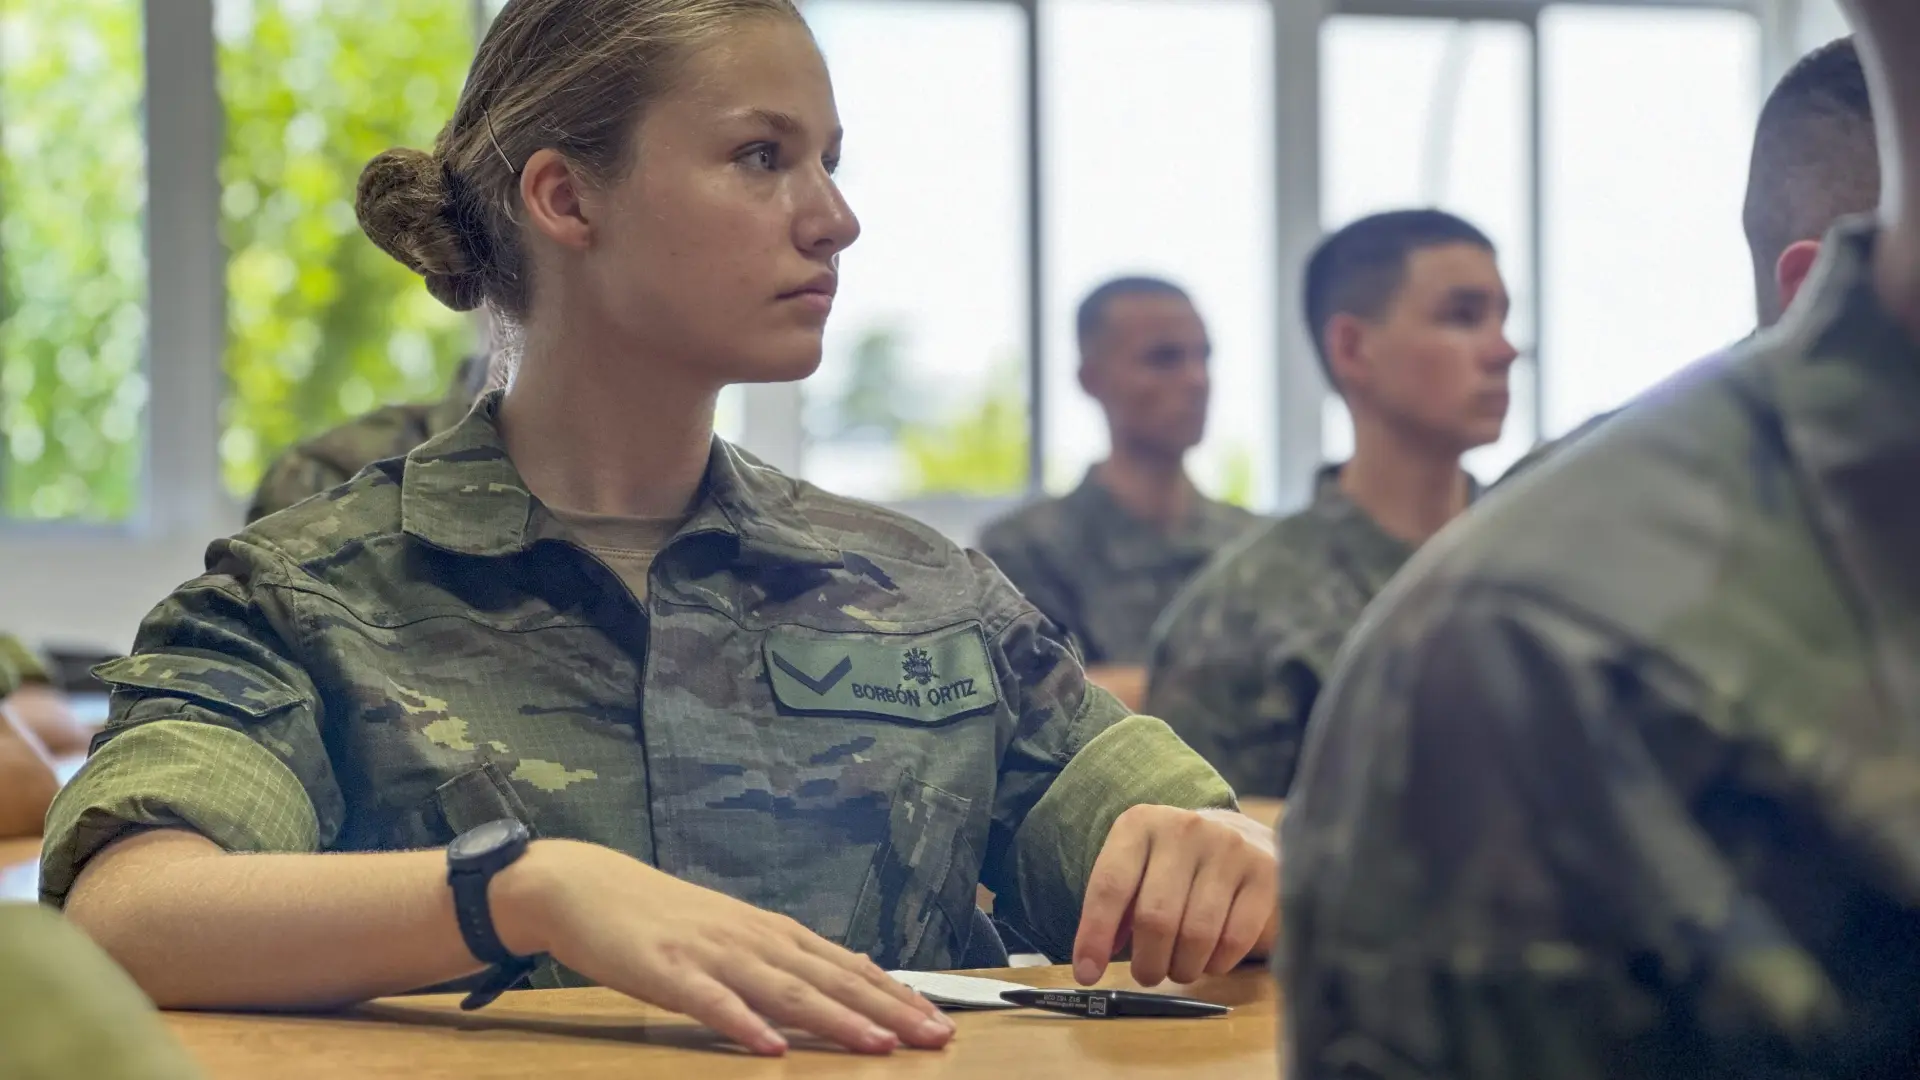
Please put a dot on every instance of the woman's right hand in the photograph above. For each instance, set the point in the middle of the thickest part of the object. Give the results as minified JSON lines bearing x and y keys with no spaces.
{"x":725,"y":963}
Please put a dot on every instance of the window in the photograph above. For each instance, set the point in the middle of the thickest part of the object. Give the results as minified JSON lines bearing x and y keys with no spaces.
{"x":923,"y":389}
{"x":1158,"y":121}
{"x":1434,"y":112}
{"x":1647,"y":268}
{"x":73,"y":259}
{"x":321,"y":325}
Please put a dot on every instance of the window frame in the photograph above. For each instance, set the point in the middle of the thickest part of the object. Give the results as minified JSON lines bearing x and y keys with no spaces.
{"x":181,"y":491}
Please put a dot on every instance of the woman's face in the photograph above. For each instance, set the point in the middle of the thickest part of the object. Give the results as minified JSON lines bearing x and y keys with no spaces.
{"x":718,"y":250}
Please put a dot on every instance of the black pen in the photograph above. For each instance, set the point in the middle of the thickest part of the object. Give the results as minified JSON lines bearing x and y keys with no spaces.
{"x":1112,"y":1004}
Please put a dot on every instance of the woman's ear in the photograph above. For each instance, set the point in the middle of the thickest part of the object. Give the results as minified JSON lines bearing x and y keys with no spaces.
{"x":552,"y":193}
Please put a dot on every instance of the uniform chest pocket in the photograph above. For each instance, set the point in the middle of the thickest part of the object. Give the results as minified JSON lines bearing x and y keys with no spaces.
{"x":916,"y":909}
{"x":476,"y":797}
{"x":921,"y":679}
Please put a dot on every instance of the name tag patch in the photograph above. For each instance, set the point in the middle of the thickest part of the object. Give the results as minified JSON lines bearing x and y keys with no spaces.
{"x":923,"y":680}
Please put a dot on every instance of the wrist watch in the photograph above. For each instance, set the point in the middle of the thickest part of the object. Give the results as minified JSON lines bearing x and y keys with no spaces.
{"x":472,"y":860}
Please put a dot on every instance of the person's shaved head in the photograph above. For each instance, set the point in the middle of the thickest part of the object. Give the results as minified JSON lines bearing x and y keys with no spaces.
{"x":1815,"y":161}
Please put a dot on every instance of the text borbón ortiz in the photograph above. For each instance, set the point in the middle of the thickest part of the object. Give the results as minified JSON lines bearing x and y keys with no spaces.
{"x":958,"y":690}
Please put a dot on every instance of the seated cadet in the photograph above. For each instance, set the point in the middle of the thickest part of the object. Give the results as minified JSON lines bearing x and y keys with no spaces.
{"x":1408,"y":314}
{"x":336,"y":456}
{"x":34,"y":702}
{"x":1619,"y":779}
{"x":1814,"y":162}
{"x":1103,"y":561}
{"x":754,"y":730}
{"x":27,"y":779}
{"x":66,"y":1013}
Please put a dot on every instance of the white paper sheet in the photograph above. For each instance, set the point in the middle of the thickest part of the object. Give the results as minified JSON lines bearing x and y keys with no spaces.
{"x":958,"y":991}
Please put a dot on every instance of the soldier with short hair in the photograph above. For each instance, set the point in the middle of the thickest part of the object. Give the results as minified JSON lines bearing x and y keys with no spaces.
{"x":1408,"y":312}
{"x":1104,"y":560}
{"x":1814,"y":162}
{"x":1621,"y":779}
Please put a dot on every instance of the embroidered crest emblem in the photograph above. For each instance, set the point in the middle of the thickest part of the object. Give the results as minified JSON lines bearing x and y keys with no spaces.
{"x":918,"y":667}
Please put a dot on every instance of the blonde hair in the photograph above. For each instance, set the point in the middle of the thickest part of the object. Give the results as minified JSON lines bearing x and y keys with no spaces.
{"x":571,"y":75}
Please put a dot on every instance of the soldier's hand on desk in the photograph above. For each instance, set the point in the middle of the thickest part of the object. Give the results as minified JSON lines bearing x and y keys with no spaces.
{"x":1194,"y":891}
{"x":727,"y":964}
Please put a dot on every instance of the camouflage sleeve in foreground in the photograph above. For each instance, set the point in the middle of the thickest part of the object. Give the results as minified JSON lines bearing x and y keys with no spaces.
{"x":66,"y":1011}
{"x":1077,"y":761}
{"x":1487,"y":877}
{"x":222,"y":735}
{"x":1226,"y":678}
{"x":293,"y":477}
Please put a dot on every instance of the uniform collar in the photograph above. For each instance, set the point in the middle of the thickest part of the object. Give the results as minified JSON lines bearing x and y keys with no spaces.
{"x":1376,"y":553}
{"x":1845,"y":377}
{"x":1136,"y":545}
{"x":461,"y":492}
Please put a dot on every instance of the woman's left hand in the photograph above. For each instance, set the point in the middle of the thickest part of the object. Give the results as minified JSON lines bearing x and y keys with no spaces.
{"x":1194,"y":891}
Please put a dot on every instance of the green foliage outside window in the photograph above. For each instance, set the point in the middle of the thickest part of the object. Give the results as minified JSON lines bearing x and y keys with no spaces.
{"x":322,"y":325}
{"x":981,"y":451}
{"x":73,"y":265}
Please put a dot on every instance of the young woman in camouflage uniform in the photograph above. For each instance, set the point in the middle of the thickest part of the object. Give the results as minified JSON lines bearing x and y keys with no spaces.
{"x":769,"y":739}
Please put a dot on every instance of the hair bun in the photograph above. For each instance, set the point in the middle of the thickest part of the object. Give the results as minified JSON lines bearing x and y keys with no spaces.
{"x":405,"y":208}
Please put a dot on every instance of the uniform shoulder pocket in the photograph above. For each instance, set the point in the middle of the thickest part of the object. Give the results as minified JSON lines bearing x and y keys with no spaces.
{"x":209,"y":681}
{"x":913,"y":678}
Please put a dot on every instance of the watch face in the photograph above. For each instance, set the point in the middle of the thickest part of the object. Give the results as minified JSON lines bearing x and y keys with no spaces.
{"x":479,"y":841}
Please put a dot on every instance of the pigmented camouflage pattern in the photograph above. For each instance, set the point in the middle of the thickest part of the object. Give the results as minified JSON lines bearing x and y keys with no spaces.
{"x":67,"y":1012}
{"x":1239,"y":657}
{"x":1101,"y":573}
{"x":337,"y":455}
{"x":1621,"y":776}
{"x":424,"y":650}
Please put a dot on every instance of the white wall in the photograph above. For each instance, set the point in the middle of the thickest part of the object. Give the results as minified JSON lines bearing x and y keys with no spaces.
{"x":90,"y":590}
{"x":1818,"y":22}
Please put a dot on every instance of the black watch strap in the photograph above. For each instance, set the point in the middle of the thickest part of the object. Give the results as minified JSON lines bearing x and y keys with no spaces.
{"x":469,"y":875}
{"x":476,"y":916}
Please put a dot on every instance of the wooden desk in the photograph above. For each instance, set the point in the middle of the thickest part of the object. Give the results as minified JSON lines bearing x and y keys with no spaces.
{"x":1267,"y":812}
{"x":597,"y":1033}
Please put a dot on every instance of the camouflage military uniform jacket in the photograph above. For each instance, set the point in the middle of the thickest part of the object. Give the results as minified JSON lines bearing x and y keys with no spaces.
{"x":1239,"y":657}
{"x":336,"y":456}
{"x":1102,"y":573}
{"x":821,"y":708}
{"x":1621,"y":778}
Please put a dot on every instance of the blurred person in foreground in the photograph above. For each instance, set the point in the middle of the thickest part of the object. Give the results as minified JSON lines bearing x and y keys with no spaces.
{"x":1620,"y":778}
{"x":67,"y":1013}
{"x":1814,"y":162}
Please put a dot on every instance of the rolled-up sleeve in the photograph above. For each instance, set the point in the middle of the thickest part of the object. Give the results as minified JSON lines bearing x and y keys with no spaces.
{"x":1077,"y":760}
{"x":214,"y":727}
